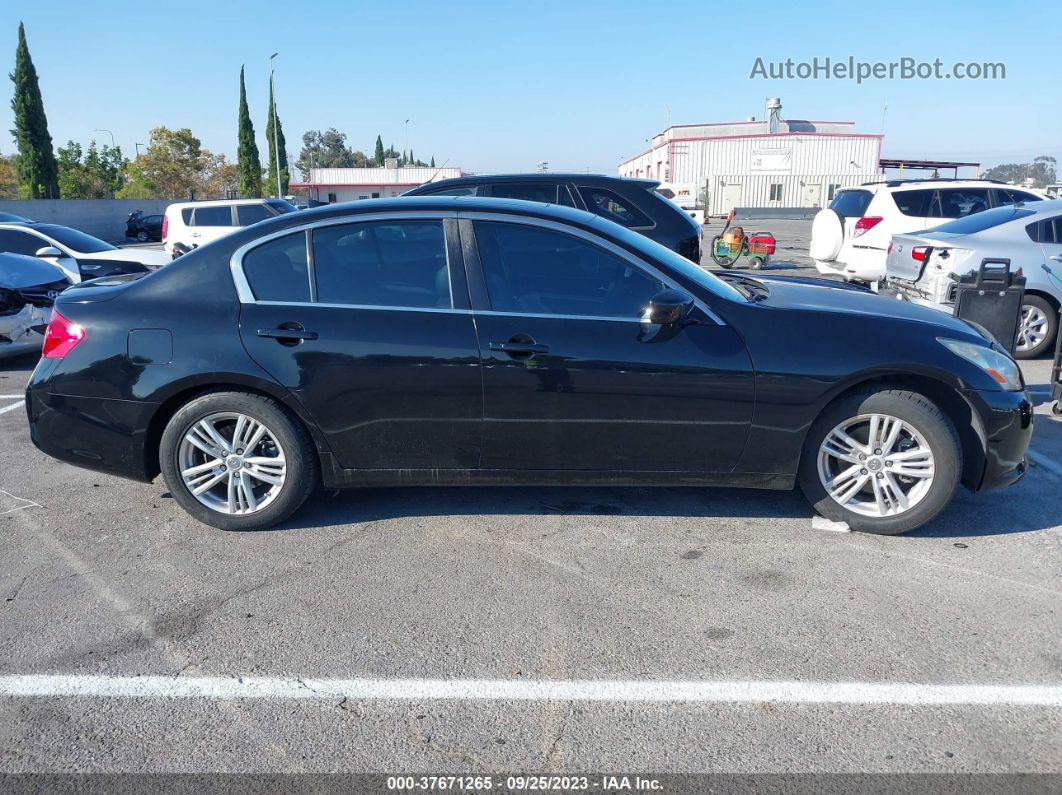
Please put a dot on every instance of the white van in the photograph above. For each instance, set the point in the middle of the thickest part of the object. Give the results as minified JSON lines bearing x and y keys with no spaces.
{"x":197,"y":223}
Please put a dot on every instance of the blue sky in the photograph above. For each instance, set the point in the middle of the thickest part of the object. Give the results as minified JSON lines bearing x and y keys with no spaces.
{"x":501,"y":85}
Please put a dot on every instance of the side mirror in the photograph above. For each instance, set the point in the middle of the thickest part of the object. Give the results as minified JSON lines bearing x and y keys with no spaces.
{"x":668,"y":307}
{"x":49,"y":252}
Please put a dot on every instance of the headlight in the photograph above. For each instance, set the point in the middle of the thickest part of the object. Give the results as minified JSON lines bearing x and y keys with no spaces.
{"x":999,"y":367}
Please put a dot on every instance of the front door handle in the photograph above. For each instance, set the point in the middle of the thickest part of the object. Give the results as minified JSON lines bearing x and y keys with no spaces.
{"x":1057,"y":257}
{"x":519,"y":348}
{"x":287,"y":333}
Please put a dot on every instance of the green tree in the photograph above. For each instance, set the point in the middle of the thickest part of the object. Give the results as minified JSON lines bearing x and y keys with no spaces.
{"x":100,"y":174}
{"x":248,"y":164}
{"x":1042,"y":171}
{"x":173,"y":166}
{"x":378,"y":155}
{"x":277,"y":148}
{"x":328,"y":149}
{"x":38,"y":174}
{"x":433,"y":161}
{"x":8,"y":177}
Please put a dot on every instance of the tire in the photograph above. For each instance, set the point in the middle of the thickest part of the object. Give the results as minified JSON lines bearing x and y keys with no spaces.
{"x":923,"y":425}
{"x":284,"y":435}
{"x":1041,"y":309}
{"x":143,"y":236}
{"x":756,"y":263}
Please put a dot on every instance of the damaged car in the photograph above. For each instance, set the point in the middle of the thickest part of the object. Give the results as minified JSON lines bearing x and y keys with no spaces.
{"x":28,"y":288}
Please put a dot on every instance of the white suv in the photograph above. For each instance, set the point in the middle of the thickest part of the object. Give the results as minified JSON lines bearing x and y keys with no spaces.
{"x":194,"y":224}
{"x":851,"y":237}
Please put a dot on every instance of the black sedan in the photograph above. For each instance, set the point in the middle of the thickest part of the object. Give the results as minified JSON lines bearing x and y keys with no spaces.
{"x":144,"y":228}
{"x":427,"y":341}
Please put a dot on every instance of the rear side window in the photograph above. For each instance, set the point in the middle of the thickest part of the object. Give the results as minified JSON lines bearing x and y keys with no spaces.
{"x":212,"y":216}
{"x":467,"y":190}
{"x":851,"y":203}
{"x":960,"y":202}
{"x":610,"y":205}
{"x":1049,"y":231}
{"x":979,"y":222}
{"x":248,"y":214}
{"x":544,"y":192}
{"x":186,"y":216}
{"x":382,"y":263}
{"x":914,"y":203}
{"x":277,"y":270}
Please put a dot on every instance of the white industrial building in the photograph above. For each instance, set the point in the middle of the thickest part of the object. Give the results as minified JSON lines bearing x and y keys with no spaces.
{"x":331,"y":185}
{"x":774,"y":162}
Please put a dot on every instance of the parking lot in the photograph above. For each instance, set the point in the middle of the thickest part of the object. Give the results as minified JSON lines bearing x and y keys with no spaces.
{"x":531,"y":630}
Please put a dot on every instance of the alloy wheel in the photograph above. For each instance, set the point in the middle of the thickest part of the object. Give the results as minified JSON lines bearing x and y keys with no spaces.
{"x":876,"y":465}
{"x":232,"y":463}
{"x":1032,"y":327}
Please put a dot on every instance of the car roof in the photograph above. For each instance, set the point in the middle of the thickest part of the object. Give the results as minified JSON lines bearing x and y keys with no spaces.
{"x":942,"y":181}
{"x":37,"y":225}
{"x":217,"y":203}
{"x":445,"y":203}
{"x":581,"y":177}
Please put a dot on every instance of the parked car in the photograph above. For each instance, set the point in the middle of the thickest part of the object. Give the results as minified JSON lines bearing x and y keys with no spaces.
{"x":28,"y":288}
{"x":191,"y":224}
{"x":631,"y":203}
{"x":80,"y":256}
{"x":11,"y":218}
{"x":437,"y":340}
{"x":923,"y":267}
{"x":143,"y":227}
{"x":850,"y":237}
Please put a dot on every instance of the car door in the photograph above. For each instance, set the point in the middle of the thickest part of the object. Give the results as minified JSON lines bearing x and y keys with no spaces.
{"x":367,"y":322}
{"x":573,"y":380}
{"x":1049,"y":235}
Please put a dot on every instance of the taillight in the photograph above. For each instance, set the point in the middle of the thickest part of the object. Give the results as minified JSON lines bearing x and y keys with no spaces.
{"x":61,"y":337}
{"x":865,"y":224}
{"x":165,"y":226}
{"x":918,"y":253}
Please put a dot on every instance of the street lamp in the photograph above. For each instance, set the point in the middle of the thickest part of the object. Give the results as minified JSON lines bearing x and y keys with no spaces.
{"x":407,"y":135}
{"x":138,"y":145}
{"x":100,"y":129}
{"x":276,"y":131}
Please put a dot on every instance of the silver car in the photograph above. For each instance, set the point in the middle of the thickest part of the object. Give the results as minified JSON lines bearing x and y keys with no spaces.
{"x":923,"y":266}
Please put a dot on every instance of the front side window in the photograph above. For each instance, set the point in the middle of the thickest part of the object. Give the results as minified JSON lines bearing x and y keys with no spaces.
{"x":277,"y":270}
{"x":533,"y":270}
{"x":20,"y":242}
{"x":960,"y":202}
{"x":212,"y":216}
{"x":382,"y":263}
{"x":610,"y":205}
{"x":248,"y":214}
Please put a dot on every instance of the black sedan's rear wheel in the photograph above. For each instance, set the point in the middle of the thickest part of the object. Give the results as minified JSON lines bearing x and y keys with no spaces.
{"x":237,"y":461}
{"x":883,"y":461}
{"x":143,"y":236}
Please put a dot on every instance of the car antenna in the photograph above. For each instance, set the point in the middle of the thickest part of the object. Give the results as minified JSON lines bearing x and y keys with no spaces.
{"x":440,"y":168}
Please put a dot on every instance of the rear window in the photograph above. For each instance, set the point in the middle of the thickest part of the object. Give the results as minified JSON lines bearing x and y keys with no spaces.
{"x":979,"y":222}
{"x":612,"y":206}
{"x":914,"y":203}
{"x":212,"y":216}
{"x":851,"y":203}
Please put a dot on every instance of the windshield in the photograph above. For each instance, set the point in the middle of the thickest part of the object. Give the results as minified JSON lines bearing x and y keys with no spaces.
{"x":677,"y":262}
{"x":75,"y":240}
{"x":280,"y":206}
{"x":978,"y":222}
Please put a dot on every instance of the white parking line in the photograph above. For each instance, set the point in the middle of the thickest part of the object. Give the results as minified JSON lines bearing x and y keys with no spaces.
{"x":12,"y":407}
{"x":11,"y":397}
{"x":726,"y":692}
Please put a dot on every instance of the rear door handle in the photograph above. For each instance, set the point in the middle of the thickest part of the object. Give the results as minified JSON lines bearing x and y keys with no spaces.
{"x":287,"y":334}
{"x":519,"y":347}
{"x":1057,"y":257}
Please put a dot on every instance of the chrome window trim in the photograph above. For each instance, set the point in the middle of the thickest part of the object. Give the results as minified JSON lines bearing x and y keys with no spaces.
{"x":593,"y":239}
{"x":243,"y":287}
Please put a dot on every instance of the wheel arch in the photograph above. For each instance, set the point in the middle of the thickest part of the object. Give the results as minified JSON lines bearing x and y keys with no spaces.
{"x":951,"y":401}
{"x":1049,"y":297}
{"x":181,"y":393}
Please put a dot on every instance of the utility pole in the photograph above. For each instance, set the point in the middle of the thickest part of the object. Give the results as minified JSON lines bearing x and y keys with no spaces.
{"x":138,"y":145}
{"x":100,"y":129}
{"x":276,"y":130}
{"x":407,"y":135}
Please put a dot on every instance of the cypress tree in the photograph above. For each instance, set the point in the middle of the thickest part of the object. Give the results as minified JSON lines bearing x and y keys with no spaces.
{"x":412,"y":160}
{"x":248,"y":166}
{"x":378,"y":155}
{"x":274,"y":148}
{"x":38,"y":173}
{"x":433,"y":161}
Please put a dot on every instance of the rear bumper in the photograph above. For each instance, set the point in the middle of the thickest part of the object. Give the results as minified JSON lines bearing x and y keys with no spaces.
{"x":856,"y":263}
{"x":96,"y":433}
{"x":1007,"y":423}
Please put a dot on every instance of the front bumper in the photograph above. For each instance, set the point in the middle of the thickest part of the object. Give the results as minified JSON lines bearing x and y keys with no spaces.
{"x":1006,"y":420}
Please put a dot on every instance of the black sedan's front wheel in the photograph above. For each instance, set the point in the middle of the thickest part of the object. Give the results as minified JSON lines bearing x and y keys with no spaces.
{"x":883,"y":461}
{"x":237,"y":461}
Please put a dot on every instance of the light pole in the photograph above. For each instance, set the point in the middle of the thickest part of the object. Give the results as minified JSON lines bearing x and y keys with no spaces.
{"x":407,"y":136}
{"x":138,"y":145}
{"x":100,"y":129}
{"x":276,"y":132}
